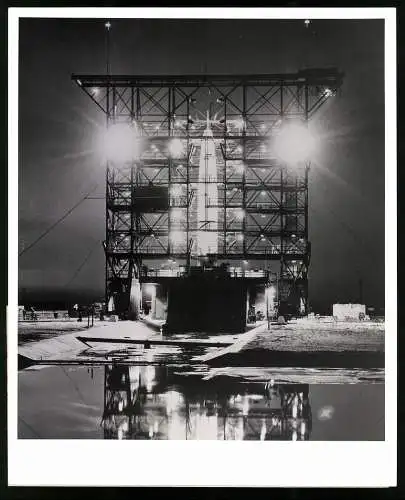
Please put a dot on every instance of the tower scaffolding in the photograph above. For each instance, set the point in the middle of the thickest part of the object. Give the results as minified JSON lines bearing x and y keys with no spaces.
{"x":151,"y":216}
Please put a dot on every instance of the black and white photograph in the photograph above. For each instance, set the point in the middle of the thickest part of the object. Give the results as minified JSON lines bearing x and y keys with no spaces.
{"x":201,"y":227}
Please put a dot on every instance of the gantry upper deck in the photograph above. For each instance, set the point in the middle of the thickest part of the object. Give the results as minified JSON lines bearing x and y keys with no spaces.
{"x":329,"y":76}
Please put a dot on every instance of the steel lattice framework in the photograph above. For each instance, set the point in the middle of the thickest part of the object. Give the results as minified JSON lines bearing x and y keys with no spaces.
{"x":262,"y":202}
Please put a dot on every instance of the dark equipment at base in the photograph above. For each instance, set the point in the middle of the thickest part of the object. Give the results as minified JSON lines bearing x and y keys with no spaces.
{"x":205,"y":303}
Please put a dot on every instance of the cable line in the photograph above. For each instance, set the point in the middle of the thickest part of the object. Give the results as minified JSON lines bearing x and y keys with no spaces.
{"x":47,"y":231}
{"x":82,"y":264}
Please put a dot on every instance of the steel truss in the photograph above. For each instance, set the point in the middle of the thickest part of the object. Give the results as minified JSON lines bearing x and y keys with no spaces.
{"x":262,"y":203}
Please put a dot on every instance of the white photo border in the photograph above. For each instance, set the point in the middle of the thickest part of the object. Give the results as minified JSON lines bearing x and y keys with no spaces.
{"x":187,"y":463}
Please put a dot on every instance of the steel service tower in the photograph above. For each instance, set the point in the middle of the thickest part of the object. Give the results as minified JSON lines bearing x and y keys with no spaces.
{"x":207,"y":193}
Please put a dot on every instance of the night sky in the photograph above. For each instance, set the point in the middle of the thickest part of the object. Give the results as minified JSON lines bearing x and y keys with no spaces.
{"x":60,"y":126}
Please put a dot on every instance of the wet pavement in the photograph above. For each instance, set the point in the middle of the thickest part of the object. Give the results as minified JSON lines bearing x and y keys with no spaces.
{"x":123,"y":391}
{"x":166,"y":402}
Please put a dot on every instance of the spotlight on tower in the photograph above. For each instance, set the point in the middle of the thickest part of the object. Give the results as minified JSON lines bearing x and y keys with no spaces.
{"x":122,"y":142}
{"x":176,"y":148}
{"x":294,"y":143}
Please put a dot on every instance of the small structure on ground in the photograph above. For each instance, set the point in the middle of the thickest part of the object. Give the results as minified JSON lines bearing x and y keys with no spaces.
{"x":349,"y":312}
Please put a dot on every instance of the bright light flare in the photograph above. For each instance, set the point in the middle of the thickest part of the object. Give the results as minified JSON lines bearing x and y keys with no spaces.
{"x":121,"y":142}
{"x":326,"y":413}
{"x":294,"y":143}
{"x":176,"y":148}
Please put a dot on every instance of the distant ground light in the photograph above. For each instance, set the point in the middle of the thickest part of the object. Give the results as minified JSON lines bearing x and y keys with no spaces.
{"x":326,"y":413}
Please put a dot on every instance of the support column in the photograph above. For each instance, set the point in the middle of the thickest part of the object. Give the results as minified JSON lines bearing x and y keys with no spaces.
{"x":160,"y":303}
{"x":135,"y":300}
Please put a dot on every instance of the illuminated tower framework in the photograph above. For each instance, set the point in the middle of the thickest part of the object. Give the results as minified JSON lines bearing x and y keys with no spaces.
{"x":262,"y":201}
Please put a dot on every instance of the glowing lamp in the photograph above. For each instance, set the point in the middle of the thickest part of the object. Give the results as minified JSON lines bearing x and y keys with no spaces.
{"x":294,"y":143}
{"x":176,"y":148}
{"x":122,"y":142}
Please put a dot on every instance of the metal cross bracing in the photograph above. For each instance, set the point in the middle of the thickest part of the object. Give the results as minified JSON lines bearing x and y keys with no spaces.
{"x":262,"y":202}
{"x":134,"y":410}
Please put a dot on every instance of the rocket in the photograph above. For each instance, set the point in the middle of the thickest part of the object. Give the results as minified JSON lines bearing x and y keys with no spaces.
{"x":207,"y":196}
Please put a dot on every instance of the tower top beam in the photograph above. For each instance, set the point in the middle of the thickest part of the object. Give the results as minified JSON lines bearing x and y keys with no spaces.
{"x":317,"y":76}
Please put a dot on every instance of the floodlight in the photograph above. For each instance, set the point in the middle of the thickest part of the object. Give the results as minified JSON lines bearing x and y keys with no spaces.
{"x":294,"y":143}
{"x":176,"y":148}
{"x":122,"y":142}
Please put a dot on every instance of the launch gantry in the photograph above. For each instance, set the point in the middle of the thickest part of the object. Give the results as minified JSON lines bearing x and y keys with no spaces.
{"x":198,"y":190}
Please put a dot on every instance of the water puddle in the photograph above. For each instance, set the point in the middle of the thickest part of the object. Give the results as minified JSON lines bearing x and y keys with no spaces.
{"x":137,"y":401}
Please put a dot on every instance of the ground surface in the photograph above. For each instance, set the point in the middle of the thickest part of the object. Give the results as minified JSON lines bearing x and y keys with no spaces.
{"x":297,"y":344}
{"x":33,"y":331}
{"x":316,"y":336}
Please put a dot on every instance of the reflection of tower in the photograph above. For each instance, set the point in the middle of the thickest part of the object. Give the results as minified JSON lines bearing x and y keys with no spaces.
{"x":138,"y":404}
{"x":117,"y":399}
{"x":207,"y":196}
{"x":283,"y":413}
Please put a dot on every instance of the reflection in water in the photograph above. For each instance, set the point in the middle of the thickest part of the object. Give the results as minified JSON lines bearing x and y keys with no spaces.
{"x":145,"y":402}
